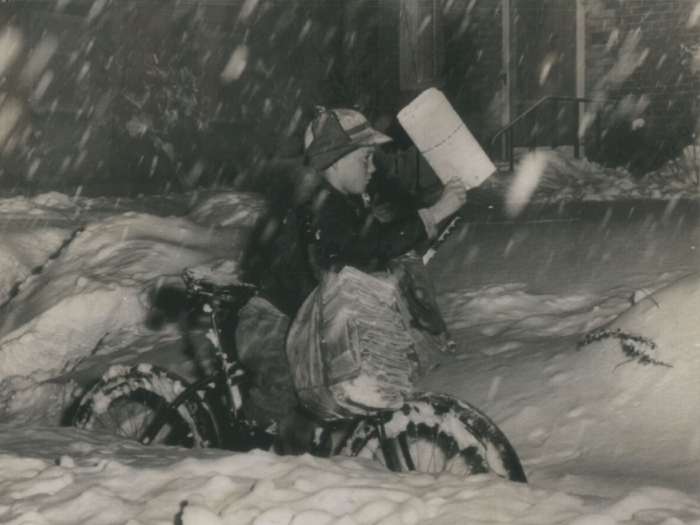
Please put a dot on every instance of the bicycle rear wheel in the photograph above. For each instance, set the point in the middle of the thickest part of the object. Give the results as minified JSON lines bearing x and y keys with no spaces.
{"x":135,"y":402}
{"x":435,"y":433}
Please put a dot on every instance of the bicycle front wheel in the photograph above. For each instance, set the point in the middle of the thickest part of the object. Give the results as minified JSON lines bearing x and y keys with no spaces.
{"x":435,"y":433}
{"x":136,"y":403}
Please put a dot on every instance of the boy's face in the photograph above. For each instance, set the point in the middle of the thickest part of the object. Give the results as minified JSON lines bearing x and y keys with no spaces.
{"x":355,"y":171}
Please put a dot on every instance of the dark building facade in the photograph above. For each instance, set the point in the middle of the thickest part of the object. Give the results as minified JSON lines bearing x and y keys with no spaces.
{"x":130,"y":97}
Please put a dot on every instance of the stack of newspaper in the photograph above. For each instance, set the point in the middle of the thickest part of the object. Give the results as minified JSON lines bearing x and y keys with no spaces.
{"x":444,"y":140}
{"x":365,"y":341}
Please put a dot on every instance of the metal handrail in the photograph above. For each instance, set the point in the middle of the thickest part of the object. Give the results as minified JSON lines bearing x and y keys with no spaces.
{"x":534,"y":108}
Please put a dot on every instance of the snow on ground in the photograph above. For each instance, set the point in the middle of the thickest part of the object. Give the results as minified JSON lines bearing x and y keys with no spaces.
{"x":603,"y":439}
{"x":50,"y":475}
{"x":47,"y":222}
{"x":230,"y":209}
{"x":104,"y":282}
{"x":563,"y":178}
{"x":607,"y":421}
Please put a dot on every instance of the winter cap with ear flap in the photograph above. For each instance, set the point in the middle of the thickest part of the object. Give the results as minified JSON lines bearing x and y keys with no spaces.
{"x":336,"y":132}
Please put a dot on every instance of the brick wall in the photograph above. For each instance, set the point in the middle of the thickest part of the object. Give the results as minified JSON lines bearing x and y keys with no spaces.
{"x":472,"y":36}
{"x":371,"y":52}
{"x":660,"y":89}
{"x":474,"y":65}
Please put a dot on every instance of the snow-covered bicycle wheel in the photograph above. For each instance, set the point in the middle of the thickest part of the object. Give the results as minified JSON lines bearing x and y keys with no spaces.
{"x":135,"y":402}
{"x":435,"y":433}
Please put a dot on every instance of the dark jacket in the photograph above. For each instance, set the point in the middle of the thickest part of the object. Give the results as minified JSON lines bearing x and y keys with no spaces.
{"x":328,"y":231}
{"x":344,"y":231}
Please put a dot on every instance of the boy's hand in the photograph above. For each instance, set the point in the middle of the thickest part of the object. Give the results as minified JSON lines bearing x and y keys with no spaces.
{"x":384,"y":212}
{"x":453,"y":197}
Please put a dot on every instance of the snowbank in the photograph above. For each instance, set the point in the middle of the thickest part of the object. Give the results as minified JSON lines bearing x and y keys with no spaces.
{"x":32,"y":231}
{"x":35,"y":400}
{"x":600,"y":405}
{"x":562,"y":178}
{"x":46,"y":206}
{"x":230,"y":209}
{"x":510,"y":311}
{"x":63,"y":475}
{"x":104,"y":282}
{"x":657,"y":402}
{"x":24,"y":250}
{"x":599,"y":436}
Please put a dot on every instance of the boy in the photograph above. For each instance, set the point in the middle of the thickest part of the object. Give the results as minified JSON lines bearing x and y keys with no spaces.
{"x":330,"y":226}
{"x":335,"y":224}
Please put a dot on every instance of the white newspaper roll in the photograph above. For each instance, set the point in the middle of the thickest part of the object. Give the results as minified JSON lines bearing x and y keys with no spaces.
{"x":444,"y":140}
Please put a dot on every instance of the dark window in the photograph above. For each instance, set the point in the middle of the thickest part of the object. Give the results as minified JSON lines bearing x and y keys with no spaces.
{"x":422,"y":45}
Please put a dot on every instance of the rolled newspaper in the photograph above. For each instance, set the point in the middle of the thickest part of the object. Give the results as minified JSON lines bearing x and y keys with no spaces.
{"x":444,"y":140}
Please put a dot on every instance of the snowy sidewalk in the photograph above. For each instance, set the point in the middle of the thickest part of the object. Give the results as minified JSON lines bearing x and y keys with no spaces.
{"x":66,"y":476}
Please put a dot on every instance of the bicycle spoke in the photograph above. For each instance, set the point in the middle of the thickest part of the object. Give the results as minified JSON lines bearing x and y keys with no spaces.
{"x":110,"y":412}
{"x":387,"y":447}
{"x":143,"y":417}
{"x":134,"y":407}
{"x":435,"y":448}
{"x":150,"y":421}
{"x":452,"y":455}
{"x":432,"y":454}
{"x":132,"y":419}
{"x":136,"y":416}
{"x":406,"y":451}
{"x":99,"y":420}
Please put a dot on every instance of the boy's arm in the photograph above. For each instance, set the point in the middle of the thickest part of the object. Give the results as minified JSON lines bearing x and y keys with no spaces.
{"x":338,"y":243}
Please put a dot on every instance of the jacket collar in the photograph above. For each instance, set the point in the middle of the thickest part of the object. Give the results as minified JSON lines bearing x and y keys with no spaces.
{"x":356,"y":201}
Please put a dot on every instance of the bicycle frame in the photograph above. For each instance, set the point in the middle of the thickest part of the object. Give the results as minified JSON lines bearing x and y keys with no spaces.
{"x":226,"y":381}
{"x":227,"y":386}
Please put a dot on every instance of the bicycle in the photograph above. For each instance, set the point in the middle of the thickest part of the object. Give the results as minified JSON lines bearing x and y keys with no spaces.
{"x":430,"y":433}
